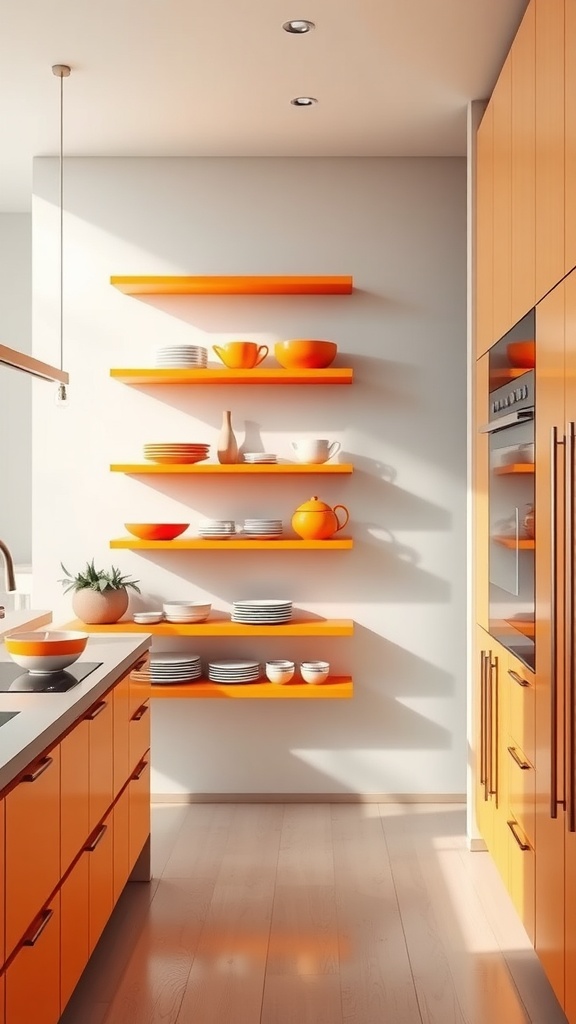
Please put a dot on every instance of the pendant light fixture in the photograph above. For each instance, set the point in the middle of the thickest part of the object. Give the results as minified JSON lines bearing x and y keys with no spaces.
{"x":61,"y":71}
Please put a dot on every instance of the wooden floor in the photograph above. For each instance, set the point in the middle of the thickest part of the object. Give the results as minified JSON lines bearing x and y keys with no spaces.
{"x":314,"y":914}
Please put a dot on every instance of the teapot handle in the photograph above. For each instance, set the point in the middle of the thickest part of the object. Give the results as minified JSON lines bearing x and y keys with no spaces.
{"x":264,"y":350}
{"x":341,"y":525}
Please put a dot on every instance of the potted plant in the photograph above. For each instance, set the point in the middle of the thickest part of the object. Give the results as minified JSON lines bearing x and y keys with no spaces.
{"x":100,"y":596}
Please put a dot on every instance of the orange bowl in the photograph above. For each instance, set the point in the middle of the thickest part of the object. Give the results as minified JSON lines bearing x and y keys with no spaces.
{"x":305,"y":354}
{"x":156,"y":531}
{"x":522,"y":354}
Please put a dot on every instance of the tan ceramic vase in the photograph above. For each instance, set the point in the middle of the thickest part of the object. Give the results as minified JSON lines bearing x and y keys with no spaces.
{"x":315,"y":520}
{"x":98,"y":608}
{"x":227,"y":449}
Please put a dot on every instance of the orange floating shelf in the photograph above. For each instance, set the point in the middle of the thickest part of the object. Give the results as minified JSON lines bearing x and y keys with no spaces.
{"x":200,"y":468}
{"x":524,"y":544}
{"x":259,"y":375}
{"x":516,"y":467}
{"x":219,"y":624}
{"x":310,"y":284}
{"x":335,"y":687}
{"x":199,"y":544}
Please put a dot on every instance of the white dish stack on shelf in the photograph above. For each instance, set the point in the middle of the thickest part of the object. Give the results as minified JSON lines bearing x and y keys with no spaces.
{"x":233,"y":670}
{"x":166,"y":668}
{"x":186,"y":611}
{"x":263,"y":529}
{"x":260,"y":458}
{"x":262,"y":613}
{"x":216,"y":529}
{"x":185,"y":357}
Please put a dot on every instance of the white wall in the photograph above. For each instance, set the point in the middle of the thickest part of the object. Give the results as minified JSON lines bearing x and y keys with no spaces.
{"x":15,"y":387}
{"x":399,"y":226}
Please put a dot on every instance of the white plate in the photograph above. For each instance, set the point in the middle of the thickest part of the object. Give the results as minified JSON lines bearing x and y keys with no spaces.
{"x":266,"y":603}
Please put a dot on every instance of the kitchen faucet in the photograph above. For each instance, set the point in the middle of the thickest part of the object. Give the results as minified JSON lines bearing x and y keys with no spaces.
{"x":10,"y":579}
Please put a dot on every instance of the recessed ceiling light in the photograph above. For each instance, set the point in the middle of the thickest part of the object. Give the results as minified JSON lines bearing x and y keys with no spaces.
{"x":298,"y":27}
{"x":303,"y":101}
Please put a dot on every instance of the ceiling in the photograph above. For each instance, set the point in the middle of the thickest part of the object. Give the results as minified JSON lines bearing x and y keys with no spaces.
{"x":215,"y":78}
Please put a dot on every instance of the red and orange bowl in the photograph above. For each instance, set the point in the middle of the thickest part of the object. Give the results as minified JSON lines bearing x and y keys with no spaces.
{"x":156,"y":531}
{"x":305,"y":353}
{"x":42,"y":651}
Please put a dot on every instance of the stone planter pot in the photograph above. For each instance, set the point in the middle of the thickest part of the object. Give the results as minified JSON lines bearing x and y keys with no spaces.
{"x":99,"y":607}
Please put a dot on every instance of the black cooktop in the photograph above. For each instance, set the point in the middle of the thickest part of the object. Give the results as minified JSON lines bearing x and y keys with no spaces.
{"x":14,"y":679}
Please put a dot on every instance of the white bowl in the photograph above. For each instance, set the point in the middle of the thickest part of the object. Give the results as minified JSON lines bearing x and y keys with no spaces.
{"x":280,"y":671}
{"x":187,"y":608}
{"x":145,"y":618}
{"x":314,"y":671}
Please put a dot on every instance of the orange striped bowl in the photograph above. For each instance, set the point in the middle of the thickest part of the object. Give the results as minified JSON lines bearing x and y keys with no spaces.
{"x":45,"y":651}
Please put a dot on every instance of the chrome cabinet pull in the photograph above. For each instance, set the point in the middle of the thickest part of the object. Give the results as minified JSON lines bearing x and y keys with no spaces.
{"x":569,"y":626}
{"x":483,"y":774}
{"x":523,"y":846}
{"x":554,"y":443}
{"x":521,"y":764}
{"x":494,"y":729}
{"x":32,"y":776}
{"x":518,"y":678}
{"x":98,"y":839}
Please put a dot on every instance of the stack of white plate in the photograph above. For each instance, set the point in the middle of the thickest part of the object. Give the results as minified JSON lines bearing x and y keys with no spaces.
{"x":262,"y":529}
{"x":261,"y":613}
{"x":175,"y":454}
{"x":167,"y":668}
{"x":233,"y":670}
{"x":186,"y":611}
{"x":190,"y":357}
{"x":216,"y":529}
{"x":259,"y":458}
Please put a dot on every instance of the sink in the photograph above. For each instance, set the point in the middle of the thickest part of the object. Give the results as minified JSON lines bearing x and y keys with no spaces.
{"x":5,"y":716}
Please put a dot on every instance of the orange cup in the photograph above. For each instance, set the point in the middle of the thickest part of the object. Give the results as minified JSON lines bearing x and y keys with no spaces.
{"x":241,"y":355}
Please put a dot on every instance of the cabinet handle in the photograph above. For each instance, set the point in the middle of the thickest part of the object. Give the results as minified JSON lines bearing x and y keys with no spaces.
{"x":31,"y":940}
{"x":554,"y":444}
{"x":140,"y":713}
{"x":521,"y":764}
{"x":494,"y":787}
{"x":32,"y":776}
{"x":517,"y":678}
{"x":523,"y":846}
{"x":483,"y":722}
{"x":138,"y":665}
{"x":569,"y":627}
{"x":96,"y":711}
{"x":139,"y":770}
{"x":92,"y":846}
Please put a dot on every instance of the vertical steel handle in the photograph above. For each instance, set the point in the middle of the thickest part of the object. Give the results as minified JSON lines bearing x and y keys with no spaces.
{"x":483,"y":722}
{"x":569,"y":625}
{"x":489,"y":722}
{"x":553,"y":625}
{"x":494,"y":728}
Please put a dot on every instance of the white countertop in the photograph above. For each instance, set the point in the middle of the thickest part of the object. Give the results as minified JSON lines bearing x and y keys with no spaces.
{"x":45,"y":716}
{"x":27,"y":618}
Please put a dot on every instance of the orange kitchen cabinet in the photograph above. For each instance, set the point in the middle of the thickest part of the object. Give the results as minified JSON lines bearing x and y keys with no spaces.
{"x":121,"y":712}
{"x":100,"y":849}
{"x":74,"y":793}
{"x":32,"y":845}
{"x":484,"y":234}
{"x":2,"y":999}
{"x":33,"y":977}
{"x":549,"y":162}
{"x":122,"y":866}
{"x":2,"y":887}
{"x":523,"y":138}
{"x":74,"y":929}
{"x":139,"y":795}
{"x":521,"y":873}
{"x":481,"y":477}
{"x":521,"y":687}
{"x":101,"y":753}
{"x":570,"y":134}
{"x":490,"y":719}
{"x":501,"y":102}
{"x":139,"y":733}
{"x":521,"y":790}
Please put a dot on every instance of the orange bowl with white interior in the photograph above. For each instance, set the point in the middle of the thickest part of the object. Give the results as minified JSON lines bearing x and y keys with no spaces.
{"x":305,"y":353}
{"x":45,"y":651}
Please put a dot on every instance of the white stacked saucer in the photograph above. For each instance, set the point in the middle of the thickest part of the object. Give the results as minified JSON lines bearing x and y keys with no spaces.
{"x":216,"y":529}
{"x":259,"y":613}
{"x":233,"y":670}
{"x":263,"y":529}
{"x":165,"y":667}
{"x":183,"y":356}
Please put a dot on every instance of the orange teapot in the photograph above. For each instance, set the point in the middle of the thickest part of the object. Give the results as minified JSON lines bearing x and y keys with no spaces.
{"x":315,"y":520}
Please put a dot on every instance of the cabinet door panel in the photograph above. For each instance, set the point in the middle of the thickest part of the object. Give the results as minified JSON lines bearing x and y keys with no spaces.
{"x":122,"y":866}
{"x":139,"y":734}
{"x":139,"y":791}
{"x":100,"y":719}
{"x":32,"y":844}
{"x":570,"y":132}
{"x":2,"y":998}
{"x":121,"y":703}
{"x":521,"y":877}
{"x":521,"y":790}
{"x":521,"y":686}
{"x":33,"y":977}
{"x":502,"y":201}
{"x":2,"y":886}
{"x":480,"y":513}
{"x":101,"y":874}
{"x":524,"y":166}
{"x":74,"y":788}
{"x":549,"y":144}
{"x":484,"y":214}
{"x":483,"y":805}
{"x":74,"y":928}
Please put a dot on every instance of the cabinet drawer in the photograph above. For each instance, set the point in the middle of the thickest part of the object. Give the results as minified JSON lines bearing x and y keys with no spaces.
{"x":74,"y":949}
{"x":32,"y":846}
{"x":100,"y":720}
{"x":521,"y":691}
{"x":522,"y":791}
{"x":122,"y":711}
{"x":521,"y":876}
{"x":74,"y":787}
{"x":139,"y":733}
{"x":2,"y":890}
{"x":2,"y":998}
{"x":122,"y":866}
{"x":33,"y":977}
{"x":100,"y":875}
{"x":139,"y":795}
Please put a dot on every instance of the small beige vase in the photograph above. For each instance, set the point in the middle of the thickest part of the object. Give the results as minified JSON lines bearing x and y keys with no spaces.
{"x":227,"y":448}
{"x":97,"y":608}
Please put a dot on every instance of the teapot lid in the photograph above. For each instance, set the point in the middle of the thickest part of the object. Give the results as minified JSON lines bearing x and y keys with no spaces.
{"x":314,"y":505}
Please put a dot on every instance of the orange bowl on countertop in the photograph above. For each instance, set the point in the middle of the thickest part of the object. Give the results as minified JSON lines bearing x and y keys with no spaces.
{"x":45,"y":650}
{"x":522,"y":354}
{"x":305,"y":353}
{"x":156,"y":531}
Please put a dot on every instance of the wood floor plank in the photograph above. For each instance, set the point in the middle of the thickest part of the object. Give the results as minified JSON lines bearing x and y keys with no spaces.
{"x":200,"y":842}
{"x":307,"y":999}
{"x":375,"y":971}
{"x":250,"y":854}
{"x":304,"y":931}
{"x":306,"y":847}
{"x":168,"y":819}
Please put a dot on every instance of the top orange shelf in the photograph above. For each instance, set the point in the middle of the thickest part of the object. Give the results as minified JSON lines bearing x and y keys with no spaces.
{"x":235,"y":285}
